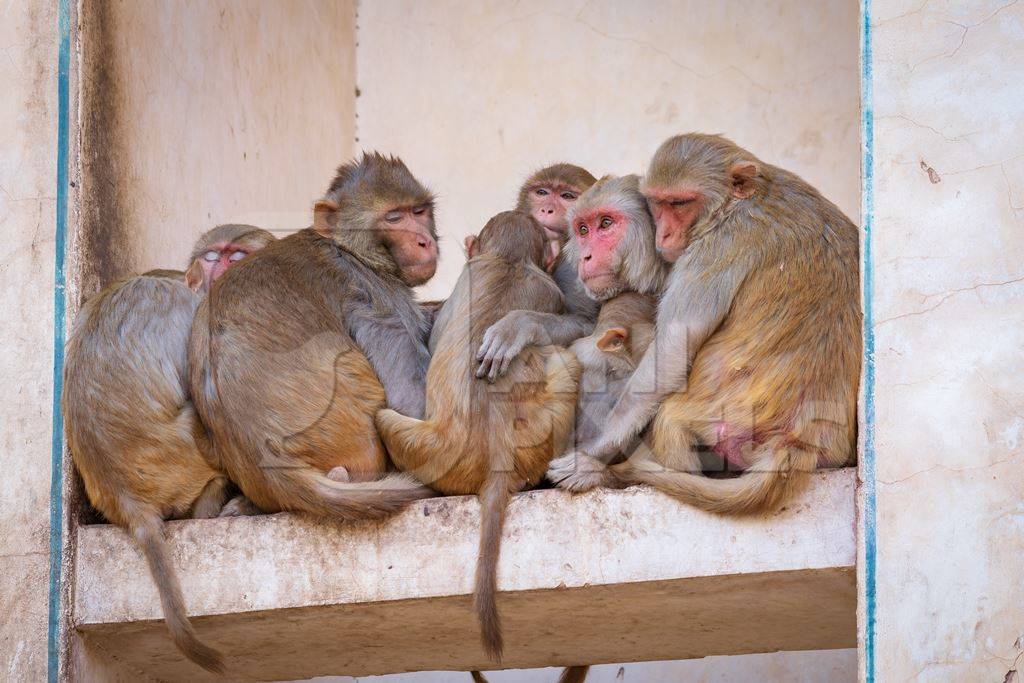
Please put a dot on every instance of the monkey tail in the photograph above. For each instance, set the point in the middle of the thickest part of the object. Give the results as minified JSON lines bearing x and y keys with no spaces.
{"x":494,"y":498}
{"x":307,"y":490}
{"x":574,"y":674}
{"x":762,"y":487}
{"x":147,"y":529}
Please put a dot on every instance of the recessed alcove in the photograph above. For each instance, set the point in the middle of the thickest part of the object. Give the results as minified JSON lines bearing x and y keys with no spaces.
{"x":193,"y":114}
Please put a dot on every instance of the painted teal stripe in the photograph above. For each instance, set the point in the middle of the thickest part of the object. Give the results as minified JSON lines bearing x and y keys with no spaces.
{"x":57,"y":438}
{"x":867,"y":264}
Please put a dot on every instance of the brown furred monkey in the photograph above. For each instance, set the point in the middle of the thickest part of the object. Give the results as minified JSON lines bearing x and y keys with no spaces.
{"x":289,"y":401}
{"x":757,"y":349}
{"x":547,"y":195}
{"x":490,"y":439}
{"x":131,"y":428}
{"x":624,"y":330}
{"x":224,"y":245}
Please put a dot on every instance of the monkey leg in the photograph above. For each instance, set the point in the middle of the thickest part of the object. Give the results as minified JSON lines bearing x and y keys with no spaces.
{"x":240,"y":506}
{"x":578,"y":472}
{"x":212,"y":499}
{"x":419,"y":448}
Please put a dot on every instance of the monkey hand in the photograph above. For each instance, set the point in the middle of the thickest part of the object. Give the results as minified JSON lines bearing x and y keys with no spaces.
{"x":504,"y":340}
{"x":578,"y":472}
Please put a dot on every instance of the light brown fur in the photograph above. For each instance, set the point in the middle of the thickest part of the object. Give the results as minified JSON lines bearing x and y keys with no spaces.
{"x":624,"y":330}
{"x":762,"y":304}
{"x":482,"y":438}
{"x":286,"y":392}
{"x":131,"y":427}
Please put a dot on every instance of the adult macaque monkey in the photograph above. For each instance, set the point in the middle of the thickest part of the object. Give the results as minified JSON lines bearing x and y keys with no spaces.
{"x":131,"y":428}
{"x":490,"y":439}
{"x":547,"y":195}
{"x":290,"y":401}
{"x":224,"y":245}
{"x":757,"y":351}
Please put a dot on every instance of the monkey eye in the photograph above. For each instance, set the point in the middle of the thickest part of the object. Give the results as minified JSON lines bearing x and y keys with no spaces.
{"x":569,"y":196}
{"x":681,"y":202}
{"x":583,"y":229}
{"x":419,"y":210}
{"x":237,"y":256}
{"x":541,"y":191}
{"x":606,"y":222}
{"x":211,"y":256}
{"x":393,"y":216}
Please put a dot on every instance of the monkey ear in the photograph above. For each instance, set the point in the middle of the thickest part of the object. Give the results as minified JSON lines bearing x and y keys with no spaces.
{"x":551,"y":255}
{"x":194,"y":276}
{"x":613,"y":339}
{"x":472,"y":248}
{"x":743,"y":174}
{"x":323,"y":211}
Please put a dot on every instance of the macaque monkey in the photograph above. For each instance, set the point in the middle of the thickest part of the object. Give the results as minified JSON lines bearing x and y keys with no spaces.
{"x":131,"y":428}
{"x":224,"y":245}
{"x":490,"y":439}
{"x":296,"y":349}
{"x":757,"y":346}
{"x":624,"y":330}
{"x":547,"y":196}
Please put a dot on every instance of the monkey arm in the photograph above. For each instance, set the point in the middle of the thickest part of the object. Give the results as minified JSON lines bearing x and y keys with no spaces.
{"x":399,"y":359}
{"x":696,"y":301}
{"x":505,"y":339}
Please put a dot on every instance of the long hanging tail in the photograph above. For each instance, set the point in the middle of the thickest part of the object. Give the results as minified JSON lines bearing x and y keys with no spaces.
{"x":306,"y":489}
{"x":574,"y":674}
{"x":494,"y":499}
{"x":762,"y":487}
{"x":148,"y":532}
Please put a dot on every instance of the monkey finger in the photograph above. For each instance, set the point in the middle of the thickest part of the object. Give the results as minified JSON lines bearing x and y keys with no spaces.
{"x":506,"y":361}
{"x":486,"y":346}
{"x":483,"y":368}
{"x":495,"y":367}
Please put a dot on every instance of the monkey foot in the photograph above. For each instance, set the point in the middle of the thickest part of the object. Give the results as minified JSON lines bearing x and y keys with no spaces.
{"x":239,"y":506}
{"x":578,"y":472}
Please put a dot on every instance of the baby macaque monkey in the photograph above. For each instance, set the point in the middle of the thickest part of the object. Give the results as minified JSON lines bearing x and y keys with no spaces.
{"x":481,"y":438}
{"x":547,"y":195}
{"x":624,"y":330}
{"x":130,"y":425}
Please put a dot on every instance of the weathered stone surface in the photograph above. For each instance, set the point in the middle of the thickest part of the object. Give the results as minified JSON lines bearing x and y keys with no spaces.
{"x":603,"y":577}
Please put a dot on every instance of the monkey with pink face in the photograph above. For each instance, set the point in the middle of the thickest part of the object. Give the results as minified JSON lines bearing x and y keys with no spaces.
{"x":756,"y":354}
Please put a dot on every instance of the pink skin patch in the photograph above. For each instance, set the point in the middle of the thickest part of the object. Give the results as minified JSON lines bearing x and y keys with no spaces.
{"x":730,"y":446}
{"x":549,"y":204}
{"x":412,"y":246}
{"x":674,"y":212}
{"x":598,"y":233}
{"x":218,"y":258}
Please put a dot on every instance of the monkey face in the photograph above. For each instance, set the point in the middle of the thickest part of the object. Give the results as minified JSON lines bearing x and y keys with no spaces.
{"x":598,"y":233}
{"x":410,"y":237}
{"x":548,"y":206}
{"x":221,"y":256}
{"x":675,"y":210}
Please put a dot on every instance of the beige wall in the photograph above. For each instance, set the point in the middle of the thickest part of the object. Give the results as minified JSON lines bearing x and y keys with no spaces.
{"x":210,"y":112}
{"x":28,"y":156}
{"x":949,"y":326}
{"x":475,"y":95}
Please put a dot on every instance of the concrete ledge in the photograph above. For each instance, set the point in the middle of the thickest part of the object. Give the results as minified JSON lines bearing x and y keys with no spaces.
{"x":609,"y":576}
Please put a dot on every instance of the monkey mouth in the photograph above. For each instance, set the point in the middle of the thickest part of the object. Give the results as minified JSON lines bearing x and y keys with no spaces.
{"x":603,"y":286}
{"x":670,"y":254}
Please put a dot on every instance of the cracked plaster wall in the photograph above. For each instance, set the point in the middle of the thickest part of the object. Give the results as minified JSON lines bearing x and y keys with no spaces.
{"x":949,"y":312}
{"x":28,"y":144}
{"x":474,"y":96}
